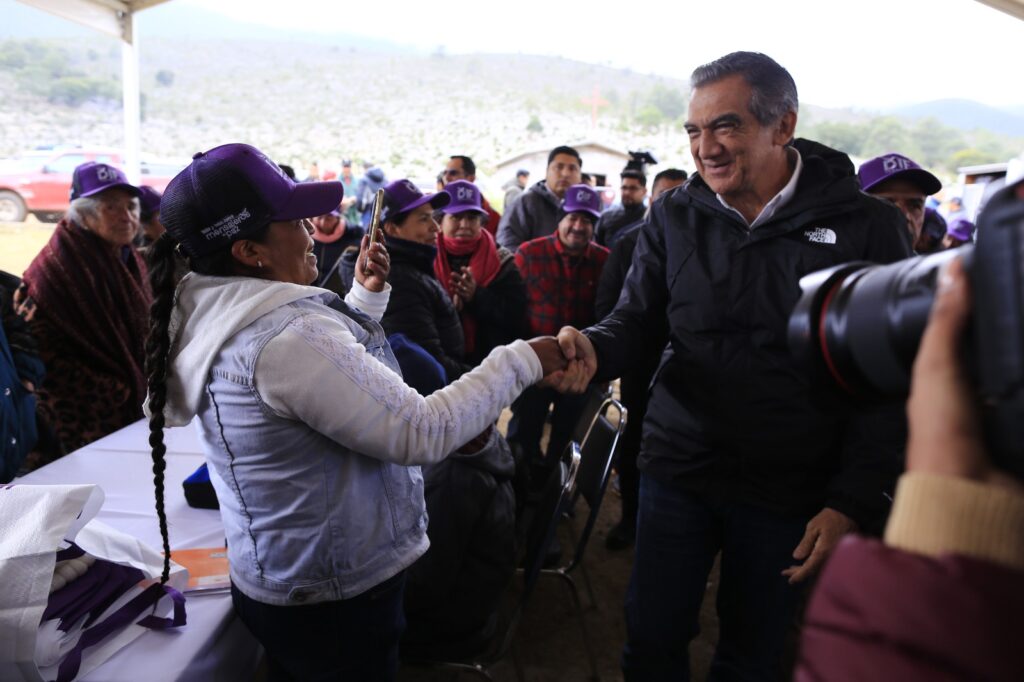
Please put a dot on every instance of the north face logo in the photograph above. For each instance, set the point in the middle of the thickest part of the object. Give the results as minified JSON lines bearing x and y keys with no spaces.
{"x":820,"y":235}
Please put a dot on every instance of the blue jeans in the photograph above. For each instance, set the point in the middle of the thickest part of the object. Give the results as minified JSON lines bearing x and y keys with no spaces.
{"x":352,"y":639}
{"x":678,"y":536}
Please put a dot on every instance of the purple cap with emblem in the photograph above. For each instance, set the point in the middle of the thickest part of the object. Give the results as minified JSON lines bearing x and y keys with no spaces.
{"x":232,"y":191}
{"x":465,"y":197}
{"x":888,"y":166}
{"x":582,"y":198}
{"x":402,"y":196}
{"x":92,"y":178}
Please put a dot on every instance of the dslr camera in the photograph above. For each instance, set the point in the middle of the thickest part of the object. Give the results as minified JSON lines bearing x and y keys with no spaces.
{"x":857,"y":326}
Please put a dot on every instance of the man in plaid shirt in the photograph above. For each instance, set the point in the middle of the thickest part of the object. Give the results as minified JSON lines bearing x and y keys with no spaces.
{"x":561,"y":272}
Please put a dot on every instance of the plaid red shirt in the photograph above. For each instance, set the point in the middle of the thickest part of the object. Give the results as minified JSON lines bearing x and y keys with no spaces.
{"x":560,"y":288}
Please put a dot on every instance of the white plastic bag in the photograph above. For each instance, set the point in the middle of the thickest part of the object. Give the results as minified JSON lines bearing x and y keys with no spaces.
{"x":34,"y":522}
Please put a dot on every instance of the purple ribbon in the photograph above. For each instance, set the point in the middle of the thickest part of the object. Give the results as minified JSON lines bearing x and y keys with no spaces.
{"x":93,"y":593}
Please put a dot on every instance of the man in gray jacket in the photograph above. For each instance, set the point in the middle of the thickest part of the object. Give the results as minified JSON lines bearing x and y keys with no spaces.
{"x":537,"y":211}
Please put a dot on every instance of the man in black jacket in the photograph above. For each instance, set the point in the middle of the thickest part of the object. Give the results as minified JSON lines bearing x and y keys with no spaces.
{"x":738,"y":456}
{"x":630,"y":211}
{"x":536,"y":213}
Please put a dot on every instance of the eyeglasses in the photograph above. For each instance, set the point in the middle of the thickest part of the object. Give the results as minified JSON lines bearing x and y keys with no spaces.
{"x":452,"y":171}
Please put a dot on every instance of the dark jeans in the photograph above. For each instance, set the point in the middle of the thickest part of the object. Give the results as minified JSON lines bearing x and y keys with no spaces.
{"x":353,"y":639}
{"x":678,"y":536}
{"x":530,"y":411}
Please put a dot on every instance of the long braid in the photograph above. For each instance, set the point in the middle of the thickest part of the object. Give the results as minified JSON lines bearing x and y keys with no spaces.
{"x":161,"y":278}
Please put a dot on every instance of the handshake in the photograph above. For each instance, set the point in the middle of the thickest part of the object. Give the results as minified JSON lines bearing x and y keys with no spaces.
{"x":568,"y":360}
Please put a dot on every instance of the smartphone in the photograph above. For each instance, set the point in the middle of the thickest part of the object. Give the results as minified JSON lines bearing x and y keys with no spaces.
{"x":378,"y":208}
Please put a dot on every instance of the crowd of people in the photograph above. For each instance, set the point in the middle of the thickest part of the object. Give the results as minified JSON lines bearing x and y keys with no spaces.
{"x":347,"y":391}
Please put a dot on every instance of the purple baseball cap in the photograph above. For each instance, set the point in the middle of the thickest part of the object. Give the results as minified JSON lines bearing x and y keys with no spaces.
{"x":149,"y":201}
{"x":233,"y":190}
{"x":582,"y":198}
{"x":92,"y":177}
{"x":892,"y":165}
{"x":402,"y":196}
{"x":464,"y":197}
{"x":961,"y":229}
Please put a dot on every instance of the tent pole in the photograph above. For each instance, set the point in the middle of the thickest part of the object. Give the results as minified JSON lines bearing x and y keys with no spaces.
{"x":130,"y":82}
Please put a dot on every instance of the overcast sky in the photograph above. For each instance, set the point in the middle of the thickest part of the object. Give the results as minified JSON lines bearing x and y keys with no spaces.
{"x":863,"y":53}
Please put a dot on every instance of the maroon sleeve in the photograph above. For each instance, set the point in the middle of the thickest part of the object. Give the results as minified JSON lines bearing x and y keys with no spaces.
{"x":881,"y":613}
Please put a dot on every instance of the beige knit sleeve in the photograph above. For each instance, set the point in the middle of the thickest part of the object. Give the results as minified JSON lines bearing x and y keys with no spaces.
{"x":937,"y":515}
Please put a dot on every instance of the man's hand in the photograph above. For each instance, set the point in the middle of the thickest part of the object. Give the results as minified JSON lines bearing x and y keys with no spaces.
{"x":822,"y":534}
{"x":576,"y":346}
{"x":372,"y":265}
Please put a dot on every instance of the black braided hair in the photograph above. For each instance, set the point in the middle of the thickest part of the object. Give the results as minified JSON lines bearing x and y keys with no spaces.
{"x":163,"y":265}
{"x":161,"y":280}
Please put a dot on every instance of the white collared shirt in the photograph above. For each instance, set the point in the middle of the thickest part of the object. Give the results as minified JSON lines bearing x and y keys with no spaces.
{"x":777,"y":202}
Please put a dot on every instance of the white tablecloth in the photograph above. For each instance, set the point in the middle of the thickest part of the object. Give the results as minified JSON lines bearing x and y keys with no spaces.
{"x":214,"y":645}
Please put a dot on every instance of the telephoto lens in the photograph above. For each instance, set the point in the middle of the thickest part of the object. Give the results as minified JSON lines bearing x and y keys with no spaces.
{"x":857,"y":325}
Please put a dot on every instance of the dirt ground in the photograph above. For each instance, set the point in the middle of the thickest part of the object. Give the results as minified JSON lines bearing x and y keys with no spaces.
{"x":549,"y":641}
{"x":20,"y":242}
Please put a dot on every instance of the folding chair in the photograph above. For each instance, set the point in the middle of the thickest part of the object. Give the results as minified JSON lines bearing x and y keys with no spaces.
{"x":597,"y":453}
{"x":558,"y":492}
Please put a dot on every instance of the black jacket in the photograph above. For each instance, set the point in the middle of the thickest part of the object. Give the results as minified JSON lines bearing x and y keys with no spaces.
{"x":732,"y":414}
{"x":534,"y":214}
{"x":611,"y":223}
{"x":453,"y":590}
{"x":499,"y":308}
{"x":420,"y":308}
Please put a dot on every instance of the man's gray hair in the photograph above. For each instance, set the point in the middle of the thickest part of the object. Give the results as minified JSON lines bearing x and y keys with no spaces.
{"x":82,"y":207}
{"x":774,"y":91}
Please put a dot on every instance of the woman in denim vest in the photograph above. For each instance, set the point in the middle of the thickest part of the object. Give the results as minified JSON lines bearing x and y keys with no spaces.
{"x":312,"y":437}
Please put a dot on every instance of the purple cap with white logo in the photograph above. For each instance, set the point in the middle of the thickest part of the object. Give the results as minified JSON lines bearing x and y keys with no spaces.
{"x":402,"y":196}
{"x":234,"y":190}
{"x":888,"y":166}
{"x":582,"y":198}
{"x":465,"y":197}
{"x":92,"y":178}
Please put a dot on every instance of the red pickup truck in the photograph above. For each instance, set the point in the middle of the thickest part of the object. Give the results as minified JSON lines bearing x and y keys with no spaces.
{"x":39,"y":181}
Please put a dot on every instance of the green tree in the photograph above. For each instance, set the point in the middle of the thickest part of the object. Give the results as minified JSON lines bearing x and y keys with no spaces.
{"x":534,"y":126}
{"x":668,"y":101}
{"x":887,"y":134}
{"x":650,"y":117}
{"x":846,"y":137}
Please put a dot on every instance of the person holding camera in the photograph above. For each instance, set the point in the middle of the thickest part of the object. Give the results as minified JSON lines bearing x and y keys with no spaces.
{"x":941,"y":598}
{"x":738,"y":455}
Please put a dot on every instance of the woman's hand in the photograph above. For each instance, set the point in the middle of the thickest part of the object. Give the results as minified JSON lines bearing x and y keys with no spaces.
{"x":565,"y":376}
{"x":463,"y":284}
{"x":372,"y":265}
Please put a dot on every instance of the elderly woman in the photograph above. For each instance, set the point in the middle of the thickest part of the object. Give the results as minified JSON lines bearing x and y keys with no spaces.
{"x":86,"y":300}
{"x":420,"y":307}
{"x":313,"y":435}
{"x":481,"y":277}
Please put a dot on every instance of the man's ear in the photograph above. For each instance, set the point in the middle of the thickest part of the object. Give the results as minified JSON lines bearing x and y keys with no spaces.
{"x":785,"y":128}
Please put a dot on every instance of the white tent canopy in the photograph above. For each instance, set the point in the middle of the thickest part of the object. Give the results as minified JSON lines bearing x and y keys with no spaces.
{"x":117,"y":18}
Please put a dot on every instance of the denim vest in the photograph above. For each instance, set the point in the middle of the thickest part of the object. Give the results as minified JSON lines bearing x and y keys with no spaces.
{"x":307,"y":520}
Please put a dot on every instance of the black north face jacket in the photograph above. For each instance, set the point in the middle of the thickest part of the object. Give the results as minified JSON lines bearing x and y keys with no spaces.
{"x":731,"y":413}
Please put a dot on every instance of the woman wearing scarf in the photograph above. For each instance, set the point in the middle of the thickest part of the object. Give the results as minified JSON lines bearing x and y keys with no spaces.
{"x":480,"y":276}
{"x":86,"y":299}
{"x":419,"y":307}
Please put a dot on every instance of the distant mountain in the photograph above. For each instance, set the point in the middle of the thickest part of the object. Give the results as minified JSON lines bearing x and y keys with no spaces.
{"x":967,"y":115}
